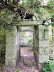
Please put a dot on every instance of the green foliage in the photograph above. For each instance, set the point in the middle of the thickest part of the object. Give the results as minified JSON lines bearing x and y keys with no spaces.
{"x":37,"y":10}
{"x":30,"y":40}
{"x":36,"y":3}
{"x":9,"y":12}
{"x":50,"y":3}
{"x":48,"y":66}
{"x":52,"y":15}
{"x":21,"y":2}
{"x":17,"y":70}
{"x":6,"y":16}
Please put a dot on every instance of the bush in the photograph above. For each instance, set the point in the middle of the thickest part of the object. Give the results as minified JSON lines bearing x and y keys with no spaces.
{"x":17,"y":70}
{"x":48,"y":66}
{"x":30,"y":40}
{"x":50,"y":3}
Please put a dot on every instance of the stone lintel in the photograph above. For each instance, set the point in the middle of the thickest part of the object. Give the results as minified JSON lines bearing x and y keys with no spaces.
{"x":28,"y":23}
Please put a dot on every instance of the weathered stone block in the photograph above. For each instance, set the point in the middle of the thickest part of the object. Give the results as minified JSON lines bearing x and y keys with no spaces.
{"x":10,"y":54}
{"x":42,"y":58}
{"x":12,"y":33}
{"x":43,"y":32}
{"x":46,"y":35}
{"x":39,"y":66}
{"x":43,"y":43}
{"x":41,"y":35}
{"x":44,"y":51}
{"x":10,"y":40}
{"x":43,"y":27}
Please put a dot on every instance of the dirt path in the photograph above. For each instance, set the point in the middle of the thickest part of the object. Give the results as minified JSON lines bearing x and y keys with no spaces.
{"x":27,"y":56}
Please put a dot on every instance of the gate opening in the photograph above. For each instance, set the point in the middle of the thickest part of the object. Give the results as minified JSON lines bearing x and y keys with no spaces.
{"x":27,"y":60}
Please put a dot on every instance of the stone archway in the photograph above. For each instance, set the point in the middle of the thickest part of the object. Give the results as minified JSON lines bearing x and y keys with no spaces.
{"x":41,"y":45}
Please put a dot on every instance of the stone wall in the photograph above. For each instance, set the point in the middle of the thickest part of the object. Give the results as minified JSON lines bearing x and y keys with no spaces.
{"x":41,"y":44}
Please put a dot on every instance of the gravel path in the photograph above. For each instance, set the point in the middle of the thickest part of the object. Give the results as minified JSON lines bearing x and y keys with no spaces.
{"x":26,"y":53}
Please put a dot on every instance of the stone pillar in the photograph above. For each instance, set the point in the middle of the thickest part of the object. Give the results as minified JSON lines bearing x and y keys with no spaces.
{"x":52,"y":50}
{"x":18,"y":39}
{"x":50,"y":43}
{"x":11,"y":46}
{"x":41,"y":44}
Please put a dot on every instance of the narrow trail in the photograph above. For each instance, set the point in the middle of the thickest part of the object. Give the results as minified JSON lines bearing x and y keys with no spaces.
{"x":27,"y":61}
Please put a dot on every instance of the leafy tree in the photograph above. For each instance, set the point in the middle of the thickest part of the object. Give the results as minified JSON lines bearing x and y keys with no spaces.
{"x":10,"y":10}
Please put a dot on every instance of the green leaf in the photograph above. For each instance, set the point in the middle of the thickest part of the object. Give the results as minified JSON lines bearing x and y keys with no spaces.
{"x":15,"y":9}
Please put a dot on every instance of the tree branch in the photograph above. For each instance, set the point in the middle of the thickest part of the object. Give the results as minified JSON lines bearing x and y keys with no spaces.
{"x":47,"y":20}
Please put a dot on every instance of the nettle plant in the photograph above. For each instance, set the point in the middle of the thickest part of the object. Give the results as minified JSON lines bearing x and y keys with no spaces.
{"x":48,"y":66}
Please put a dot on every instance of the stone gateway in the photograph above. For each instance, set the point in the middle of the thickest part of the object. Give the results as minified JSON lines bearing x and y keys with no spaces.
{"x":41,"y":44}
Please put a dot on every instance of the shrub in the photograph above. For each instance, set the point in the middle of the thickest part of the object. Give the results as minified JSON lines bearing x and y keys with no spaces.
{"x":30,"y":40}
{"x":50,"y":3}
{"x":17,"y":70}
{"x":48,"y":66}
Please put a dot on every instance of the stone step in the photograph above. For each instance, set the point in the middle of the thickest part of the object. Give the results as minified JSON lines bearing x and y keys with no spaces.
{"x":28,"y":61}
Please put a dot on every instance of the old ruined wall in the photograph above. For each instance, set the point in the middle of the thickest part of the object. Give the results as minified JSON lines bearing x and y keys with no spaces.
{"x":41,"y":44}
